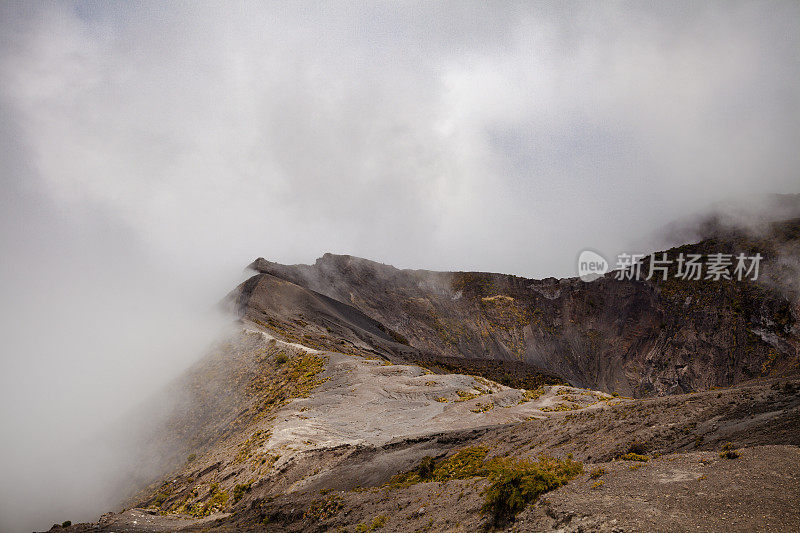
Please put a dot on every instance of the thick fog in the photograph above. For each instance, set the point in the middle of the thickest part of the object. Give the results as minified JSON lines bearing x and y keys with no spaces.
{"x":150,"y":151}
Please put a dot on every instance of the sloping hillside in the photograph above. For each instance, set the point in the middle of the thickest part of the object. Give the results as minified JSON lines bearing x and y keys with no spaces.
{"x":356,"y":396}
{"x":635,"y":337}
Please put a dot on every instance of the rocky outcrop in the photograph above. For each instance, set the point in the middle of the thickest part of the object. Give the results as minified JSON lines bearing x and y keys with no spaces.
{"x":635,"y":337}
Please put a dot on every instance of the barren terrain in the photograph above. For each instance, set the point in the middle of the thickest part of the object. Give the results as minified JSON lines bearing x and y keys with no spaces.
{"x":354,"y":396}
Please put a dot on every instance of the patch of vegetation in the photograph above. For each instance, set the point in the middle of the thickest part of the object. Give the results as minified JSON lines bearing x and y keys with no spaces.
{"x":297,"y":377}
{"x":561,"y":407}
{"x":66,"y":523}
{"x":637,"y":447}
{"x":515,"y":482}
{"x":728,"y":451}
{"x":304,"y":371}
{"x":482,"y":407}
{"x":467,"y":463}
{"x":269,"y":460}
{"x":281,"y":358}
{"x":598,"y":484}
{"x":162,"y":495}
{"x":498,"y":297}
{"x":218,"y":500}
{"x":464,"y":396}
{"x":597,"y":472}
{"x":630,"y":456}
{"x":532,"y":395}
{"x":254,"y":441}
{"x":486,"y":383}
{"x":182,"y":506}
{"x":518,"y":482}
{"x":426,"y":467}
{"x":324,"y":509}
{"x":442,"y":399}
{"x":240,"y":490}
{"x":377,"y":523}
{"x":191,"y":457}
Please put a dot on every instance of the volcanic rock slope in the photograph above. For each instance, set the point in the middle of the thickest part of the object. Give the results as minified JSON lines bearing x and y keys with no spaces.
{"x":346,"y":374}
{"x":634,"y":337}
{"x":320,"y":441}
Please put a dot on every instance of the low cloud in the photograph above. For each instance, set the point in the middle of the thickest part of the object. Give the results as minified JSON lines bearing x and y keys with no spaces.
{"x":150,"y":151}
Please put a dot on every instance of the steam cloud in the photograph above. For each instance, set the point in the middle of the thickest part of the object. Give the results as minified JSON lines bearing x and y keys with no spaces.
{"x":151,"y":150}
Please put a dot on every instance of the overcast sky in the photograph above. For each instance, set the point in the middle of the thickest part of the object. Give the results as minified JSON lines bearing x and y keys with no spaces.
{"x":149,"y":151}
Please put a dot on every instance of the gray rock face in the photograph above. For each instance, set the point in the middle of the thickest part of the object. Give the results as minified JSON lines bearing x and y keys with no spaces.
{"x":639,"y":338}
